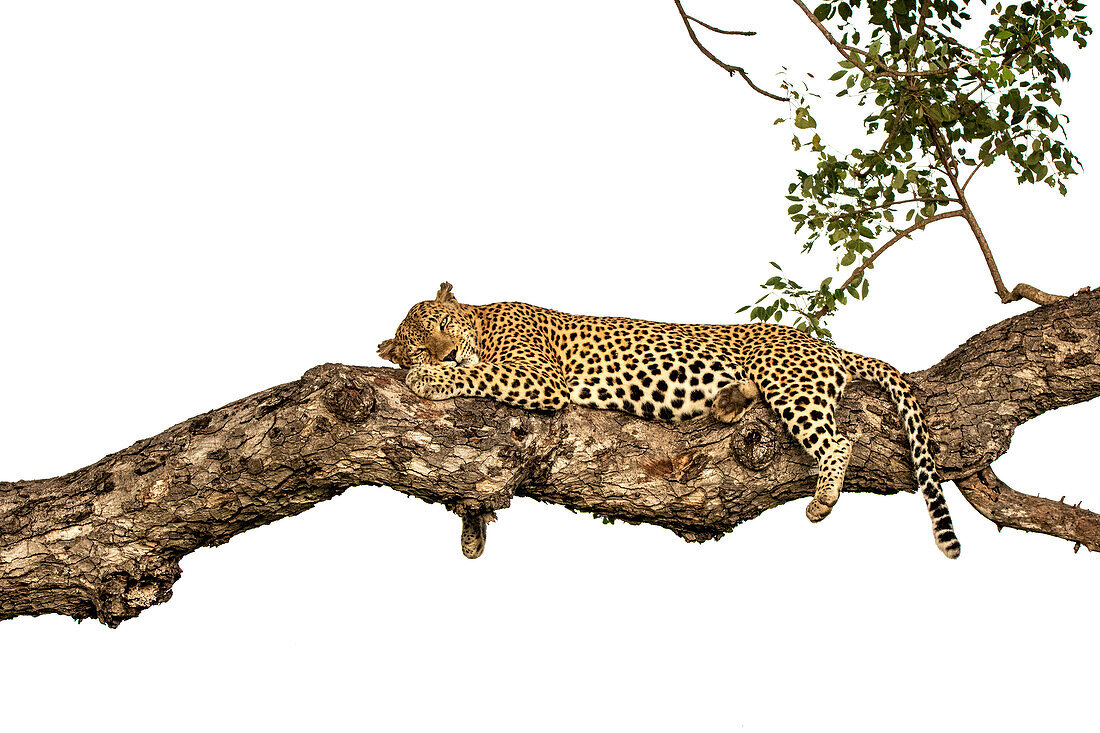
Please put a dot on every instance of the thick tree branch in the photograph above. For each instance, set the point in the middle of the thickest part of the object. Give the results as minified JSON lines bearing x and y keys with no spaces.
{"x":105,"y":541}
{"x":1005,"y":507}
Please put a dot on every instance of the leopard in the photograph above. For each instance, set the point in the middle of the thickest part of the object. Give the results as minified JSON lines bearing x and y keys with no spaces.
{"x":537,"y":358}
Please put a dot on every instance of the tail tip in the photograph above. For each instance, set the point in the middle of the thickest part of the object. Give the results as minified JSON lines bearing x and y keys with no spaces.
{"x":950,"y":547}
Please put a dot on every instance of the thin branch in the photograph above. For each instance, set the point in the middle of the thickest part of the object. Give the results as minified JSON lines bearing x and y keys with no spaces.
{"x":829,"y":37}
{"x":709,"y":27}
{"x":981,"y":84}
{"x":967,"y":181}
{"x":898,"y":73}
{"x":1022,"y":291}
{"x":882,"y":148}
{"x":938,"y":199}
{"x":1006,"y":507}
{"x":998,"y":147}
{"x":893,"y":240}
{"x":728,"y":67}
{"x":943,"y":149}
{"x":946,"y":158}
{"x":923,"y":17}
{"x":926,"y":72}
{"x":848,"y":53}
{"x":930,"y":168}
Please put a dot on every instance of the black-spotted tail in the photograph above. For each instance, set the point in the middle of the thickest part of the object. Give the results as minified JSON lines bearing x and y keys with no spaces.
{"x":912,"y":419}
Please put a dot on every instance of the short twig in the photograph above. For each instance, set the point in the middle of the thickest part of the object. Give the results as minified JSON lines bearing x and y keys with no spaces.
{"x":709,"y":27}
{"x":728,"y":67}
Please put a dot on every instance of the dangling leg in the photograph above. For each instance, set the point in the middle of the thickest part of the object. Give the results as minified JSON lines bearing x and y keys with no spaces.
{"x":808,"y":413}
{"x":832,"y":462}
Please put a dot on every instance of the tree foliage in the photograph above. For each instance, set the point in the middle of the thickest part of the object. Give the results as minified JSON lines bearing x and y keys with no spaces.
{"x":941,"y":107}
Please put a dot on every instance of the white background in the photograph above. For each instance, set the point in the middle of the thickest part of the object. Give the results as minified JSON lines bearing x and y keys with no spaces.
{"x":199,"y":200}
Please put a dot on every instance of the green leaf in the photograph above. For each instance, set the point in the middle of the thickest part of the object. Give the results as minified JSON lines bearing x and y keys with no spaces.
{"x":822,"y":11}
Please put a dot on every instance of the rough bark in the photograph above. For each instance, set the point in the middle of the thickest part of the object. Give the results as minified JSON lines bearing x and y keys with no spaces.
{"x":105,"y":541}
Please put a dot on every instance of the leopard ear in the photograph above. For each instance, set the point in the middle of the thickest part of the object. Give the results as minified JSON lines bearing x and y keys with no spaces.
{"x":388,"y":350}
{"x":445,"y":295}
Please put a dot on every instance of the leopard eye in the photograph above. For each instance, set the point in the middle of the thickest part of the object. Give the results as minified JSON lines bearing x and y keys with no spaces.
{"x":444,"y":322}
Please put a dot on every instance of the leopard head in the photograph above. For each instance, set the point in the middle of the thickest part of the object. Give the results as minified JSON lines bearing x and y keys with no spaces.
{"x":436,"y":331}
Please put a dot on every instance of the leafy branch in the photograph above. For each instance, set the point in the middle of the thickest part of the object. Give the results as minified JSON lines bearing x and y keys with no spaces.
{"x":947,"y":108}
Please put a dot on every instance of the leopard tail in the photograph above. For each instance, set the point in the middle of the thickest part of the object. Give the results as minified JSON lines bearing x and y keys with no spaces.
{"x":912,"y":419}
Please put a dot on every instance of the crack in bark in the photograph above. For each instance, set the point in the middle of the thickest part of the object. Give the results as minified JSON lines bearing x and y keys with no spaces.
{"x":105,"y":541}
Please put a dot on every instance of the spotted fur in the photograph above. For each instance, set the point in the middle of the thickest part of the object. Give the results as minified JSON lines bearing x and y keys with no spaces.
{"x":542,"y":359}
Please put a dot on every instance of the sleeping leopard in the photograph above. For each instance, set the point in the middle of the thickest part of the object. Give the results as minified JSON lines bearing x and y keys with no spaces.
{"x":542,"y":359}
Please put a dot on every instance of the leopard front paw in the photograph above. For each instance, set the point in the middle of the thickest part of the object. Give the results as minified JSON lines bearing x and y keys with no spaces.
{"x":431,"y":382}
{"x":817,"y":510}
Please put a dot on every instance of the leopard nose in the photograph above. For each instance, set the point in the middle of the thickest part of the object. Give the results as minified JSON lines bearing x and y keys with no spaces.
{"x":453,"y":356}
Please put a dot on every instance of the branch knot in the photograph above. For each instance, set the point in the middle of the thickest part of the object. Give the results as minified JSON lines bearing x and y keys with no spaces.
{"x":347,"y":394}
{"x":755,"y":445}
